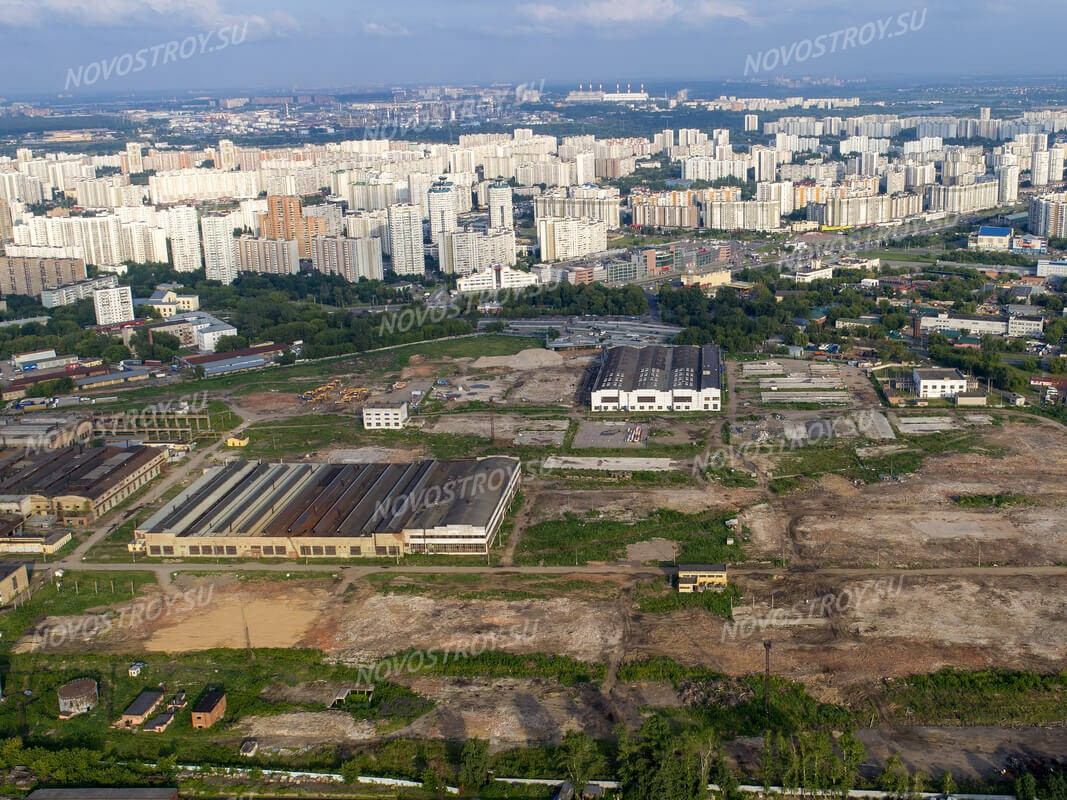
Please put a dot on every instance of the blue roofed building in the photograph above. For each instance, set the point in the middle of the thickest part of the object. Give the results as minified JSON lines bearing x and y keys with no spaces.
{"x":991,"y":238}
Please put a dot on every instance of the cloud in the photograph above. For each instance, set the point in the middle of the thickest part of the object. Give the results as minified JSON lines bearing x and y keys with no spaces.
{"x":616,"y":13}
{"x":384,"y":30}
{"x":202,"y":14}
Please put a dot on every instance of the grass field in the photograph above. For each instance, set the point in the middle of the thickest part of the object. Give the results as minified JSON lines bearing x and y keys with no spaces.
{"x":574,"y":540}
{"x":74,"y":593}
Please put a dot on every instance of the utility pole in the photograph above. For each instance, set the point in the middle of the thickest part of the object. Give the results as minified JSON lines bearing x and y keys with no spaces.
{"x":492,"y":423}
{"x":767,"y":680}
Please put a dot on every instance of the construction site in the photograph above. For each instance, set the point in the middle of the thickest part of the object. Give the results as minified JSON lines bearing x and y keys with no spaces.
{"x":866,"y":545}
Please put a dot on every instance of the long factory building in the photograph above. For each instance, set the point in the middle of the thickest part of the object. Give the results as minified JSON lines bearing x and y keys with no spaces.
{"x":659,"y":378}
{"x":251,"y":509}
{"x":77,"y":484}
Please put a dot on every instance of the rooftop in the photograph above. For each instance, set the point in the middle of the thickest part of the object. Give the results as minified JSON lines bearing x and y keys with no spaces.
{"x":254,"y":498}
{"x":659,"y":367}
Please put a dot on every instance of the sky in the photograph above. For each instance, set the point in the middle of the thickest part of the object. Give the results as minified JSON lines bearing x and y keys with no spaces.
{"x":83,"y":48}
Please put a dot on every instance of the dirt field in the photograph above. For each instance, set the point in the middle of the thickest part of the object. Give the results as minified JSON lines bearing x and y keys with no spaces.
{"x":507,"y":427}
{"x":883,"y":524}
{"x":549,"y":503}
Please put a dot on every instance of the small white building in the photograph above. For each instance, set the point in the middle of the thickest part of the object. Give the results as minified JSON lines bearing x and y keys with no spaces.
{"x":937,"y":383}
{"x":378,"y":415}
{"x":816,"y":272}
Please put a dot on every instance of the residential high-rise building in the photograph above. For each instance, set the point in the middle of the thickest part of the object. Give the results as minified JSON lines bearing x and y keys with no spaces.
{"x":285,"y":219}
{"x":751,"y":122}
{"x":113,"y":306}
{"x":180,"y":223}
{"x":350,"y":258}
{"x":370,"y":224}
{"x":1039,"y":168}
{"x":1008,"y":184}
{"x":134,"y":162}
{"x":405,"y":239}
{"x":419,"y":184}
{"x":227,"y":155}
{"x":220,"y":246}
{"x":7,"y":224}
{"x":442,"y":205}
{"x":500,"y":206}
{"x":268,"y":256}
{"x":564,"y":238}
{"x":1048,"y":215}
{"x":467,"y":251}
{"x":28,"y":276}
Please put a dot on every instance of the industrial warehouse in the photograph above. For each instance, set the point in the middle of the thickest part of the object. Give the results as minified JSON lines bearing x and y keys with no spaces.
{"x":251,"y":509}
{"x":659,"y":378}
{"x":78,"y":484}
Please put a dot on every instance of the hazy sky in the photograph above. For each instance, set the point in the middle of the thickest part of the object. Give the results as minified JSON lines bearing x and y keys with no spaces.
{"x":49,"y":45}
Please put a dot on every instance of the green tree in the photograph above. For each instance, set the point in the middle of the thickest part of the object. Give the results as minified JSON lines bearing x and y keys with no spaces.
{"x":1026,"y":787}
{"x":581,"y":759}
{"x":946,"y":785}
{"x":894,"y":778}
{"x":474,"y":765}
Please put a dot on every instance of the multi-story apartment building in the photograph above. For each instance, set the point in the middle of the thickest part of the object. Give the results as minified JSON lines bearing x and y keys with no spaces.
{"x":501,"y":212}
{"x":220,"y":246}
{"x":350,"y":258}
{"x":442,"y":205}
{"x":563,"y":238}
{"x":29,"y":276}
{"x":268,"y":256}
{"x":405,"y":239}
{"x":592,"y":202}
{"x":113,"y":306}
{"x":73,"y":292}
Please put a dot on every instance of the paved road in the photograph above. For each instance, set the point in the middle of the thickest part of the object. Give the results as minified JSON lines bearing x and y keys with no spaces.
{"x":621,"y":568}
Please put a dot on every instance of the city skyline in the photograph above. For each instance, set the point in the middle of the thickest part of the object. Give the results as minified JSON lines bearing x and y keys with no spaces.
{"x":273,"y":44}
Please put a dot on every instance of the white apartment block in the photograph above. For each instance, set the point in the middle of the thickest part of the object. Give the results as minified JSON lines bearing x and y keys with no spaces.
{"x":442,"y":204}
{"x":938,"y":383}
{"x":494,"y":279}
{"x":113,"y":306}
{"x":350,"y":258}
{"x":564,"y":238}
{"x":73,"y":292}
{"x":194,"y":185}
{"x":592,"y":202}
{"x":405,"y":239}
{"x":467,"y":251}
{"x":220,"y":246}
{"x":964,"y":198}
{"x":268,"y":256}
{"x":182,"y":229}
{"x":747,"y":215}
{"x":501,"y":212}
{"x":385,"y":415}
{"x":370,"y":225}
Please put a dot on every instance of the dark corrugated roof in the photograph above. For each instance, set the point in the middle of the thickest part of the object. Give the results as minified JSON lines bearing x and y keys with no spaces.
{"x":660,"y":368}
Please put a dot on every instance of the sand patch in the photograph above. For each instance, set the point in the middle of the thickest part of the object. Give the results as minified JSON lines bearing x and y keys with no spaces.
{"x":258,"y":622}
